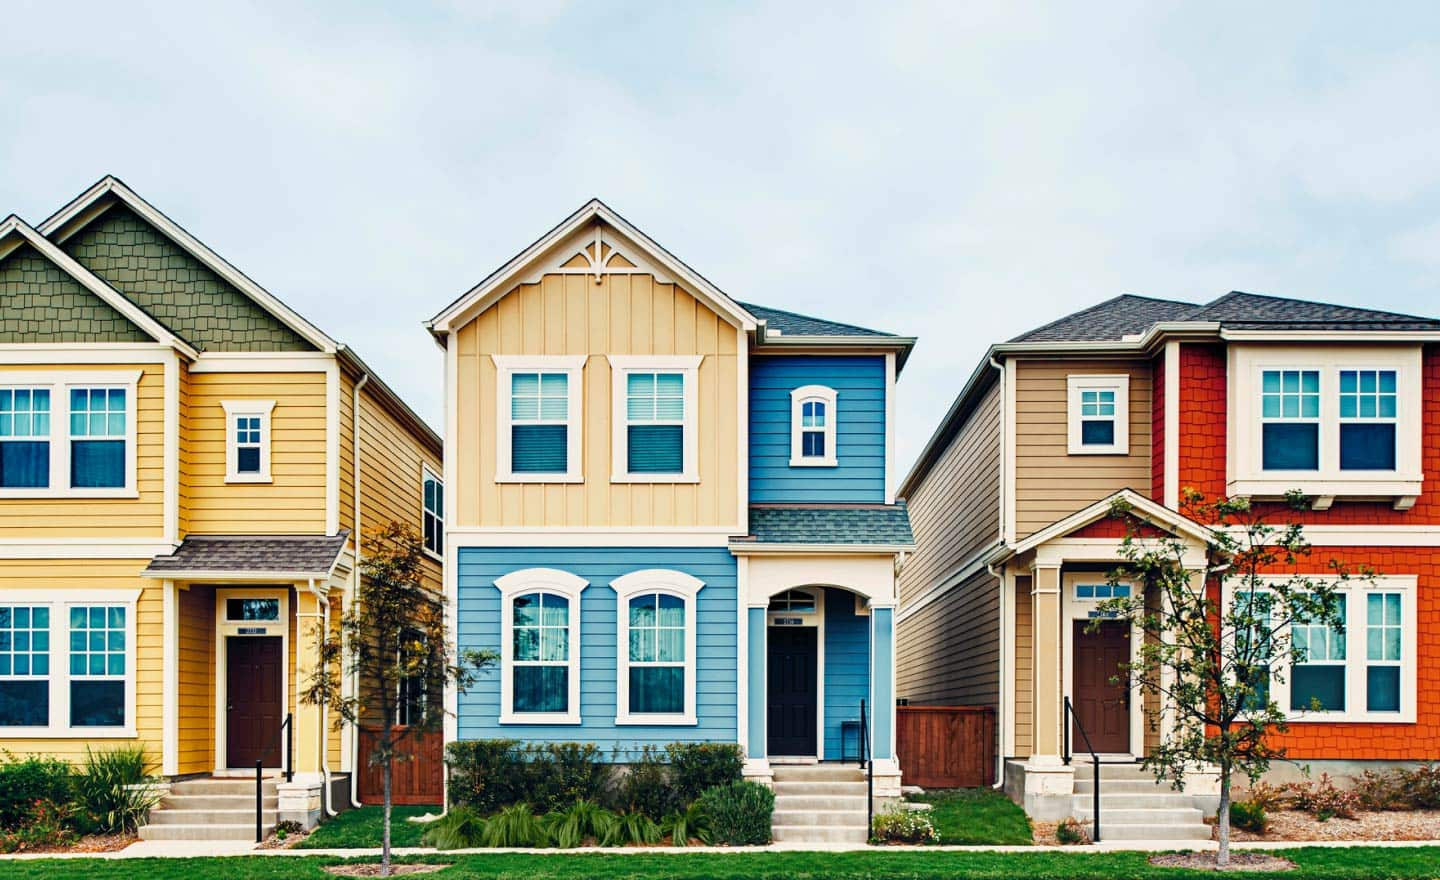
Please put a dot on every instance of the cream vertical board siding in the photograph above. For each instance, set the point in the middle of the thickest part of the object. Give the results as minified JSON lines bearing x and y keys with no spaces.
{"x":57,"y":576}
{"x":197,"y":675}
{"x":1024,"y":669}
{"x":948,"y":653}
{"x":1051,"y":484}
{"x":391,"y":467}
{"x":142,"y":516}
{"x":294,"y":503}
{"x":573,"y":315}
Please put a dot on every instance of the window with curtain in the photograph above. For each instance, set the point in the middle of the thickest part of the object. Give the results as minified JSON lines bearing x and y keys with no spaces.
{"x":655,"y":422}
{"x":433,"y":513}
{"x":1317,"y":677}
{"x":1290,"y":420}
{"x":540,"y":654}
{"x":539,"y":423}
{"x":1369,"y":414}
{"x":24,"y":438}
{"x":1383,"y":630}
{"x":24,"y":665}
{"x":97,"y":665}
{"x":657,"y":654}
{"x":97,"y":438}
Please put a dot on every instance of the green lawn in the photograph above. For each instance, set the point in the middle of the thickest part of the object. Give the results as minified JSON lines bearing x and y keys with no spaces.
{"x":360,"y":829}
{"x":1314,"y":864}
{"x":976,"y":816}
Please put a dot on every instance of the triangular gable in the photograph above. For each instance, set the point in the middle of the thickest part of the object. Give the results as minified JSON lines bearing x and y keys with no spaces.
{"x":1096,"y":521}
{"x":593,"y":241}
{"x":108,"y":315}
{"x":241,"y":302}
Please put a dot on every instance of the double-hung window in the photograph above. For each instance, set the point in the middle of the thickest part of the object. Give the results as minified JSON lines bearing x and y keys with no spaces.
{"x":1369,"y":411}
{"x":538,"y":417}
{"x":68,"y":434}
{"x":656,"y":612}
{"x":1317,"y":675}
{"x":247,"y":440}
{"x":1098,"y":414}
{"x":98,"y":661}
{"x":540,"y":646}
{"x":98,"y":430}
{"x":654,"y":437}
{"x":1384,"y":637}
{"x":812,"y":426}
{"x":432,"y":512}
{"x":24,"y":438}
{"x":24,"y":665}
{"x":1290,"y":420}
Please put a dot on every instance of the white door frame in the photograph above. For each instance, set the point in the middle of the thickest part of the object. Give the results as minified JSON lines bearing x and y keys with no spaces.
{"x":225,"y":629}
{"x":1073,"y":609}
{"x":815,"y":620}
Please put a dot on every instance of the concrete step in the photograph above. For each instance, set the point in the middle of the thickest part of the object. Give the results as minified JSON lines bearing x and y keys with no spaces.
{"x":823,"y":834}
{"x":822,"y":788}
{"x":827,"y":802}
{"x":223,"y":786}
{"x":223,"y":817}
{"x":1110,"y":831}
{"x":218,"y":802}
{"x":826,"y":818}
{"x":1143,"y":801}
{"x":202,"y":832}
{"x":1175,"y":816}
{"x":817,"y":773}
{"x":1085,"y":786}
{"x":1085,"y":770}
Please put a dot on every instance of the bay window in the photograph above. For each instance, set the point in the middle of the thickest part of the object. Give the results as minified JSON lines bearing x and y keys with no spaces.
{"x":656,"y":613}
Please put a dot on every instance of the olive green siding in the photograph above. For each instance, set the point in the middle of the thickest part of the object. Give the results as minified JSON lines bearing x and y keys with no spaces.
{"x":175,"y":288}
{"x":40,"y":303}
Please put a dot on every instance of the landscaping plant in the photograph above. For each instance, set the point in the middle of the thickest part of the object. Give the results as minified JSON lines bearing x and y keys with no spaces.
{"x":692,"y":823}
{"x":1210,"y":664}
{"x":460,"y":828}
{"x":645,"y":786}
{"x":1322,"y":799}
{"x":896,"y":824}
{"x":113,"y":793}
{"x":695,"y":767}
{"x":1248,"y":816}
{"x":1070,"y":832}
{"x":489,"y":774}
{"x":46,"y":824}
{"x":515,"y":826}
{"x":25,"y":782}
{"x":394,"y":638}
{"x":739,"y":812}
{"x":581,"y":821}
{"x":632,"y":828}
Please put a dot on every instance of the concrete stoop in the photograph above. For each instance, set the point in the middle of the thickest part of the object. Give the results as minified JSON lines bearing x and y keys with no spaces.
{"x":1133,"y":806}
{"x":819,"y":803}
{"x":213,"y":809}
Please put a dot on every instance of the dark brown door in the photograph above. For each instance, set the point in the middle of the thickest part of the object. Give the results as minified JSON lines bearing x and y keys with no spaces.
{"x":254,"y":704}
{"x":1102,"y":706}
{"x":792,"y":688}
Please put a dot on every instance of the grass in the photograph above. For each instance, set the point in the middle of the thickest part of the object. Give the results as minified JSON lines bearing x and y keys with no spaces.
{"x":1360,"y":863}
{"x":977,"y":816}
{"x":361,"y":829}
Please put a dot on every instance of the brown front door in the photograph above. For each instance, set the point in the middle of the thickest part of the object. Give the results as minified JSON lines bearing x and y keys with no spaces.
{"x":254,"y":704}
{"x":1102,"y":707}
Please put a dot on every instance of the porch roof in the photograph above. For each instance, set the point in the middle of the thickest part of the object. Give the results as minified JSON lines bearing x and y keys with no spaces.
{"x":272,"y":557}
{"x":877,"y":525}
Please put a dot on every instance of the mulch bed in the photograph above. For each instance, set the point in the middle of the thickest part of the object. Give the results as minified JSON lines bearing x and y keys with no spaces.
{"x":91,"y":843}
{"x":1239,"y":861}
{"x":1396,"y":825}
{"x":372,"y":869}
{"x":286,"y":842}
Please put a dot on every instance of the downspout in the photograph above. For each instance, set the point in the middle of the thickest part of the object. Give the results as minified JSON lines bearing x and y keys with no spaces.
{"x":330,"y":811}
{"x":1007,"y":673}
{"x":354,"y":587}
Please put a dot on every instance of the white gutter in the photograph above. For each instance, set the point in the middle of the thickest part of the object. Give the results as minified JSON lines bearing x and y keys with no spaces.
{"x":330,"y":810}
{"x":354,"y":585}
{"x":1006,"y":611}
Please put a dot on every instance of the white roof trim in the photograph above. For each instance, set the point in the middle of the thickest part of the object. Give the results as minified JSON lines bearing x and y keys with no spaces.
{"x":94,"y":283}
{"x":499,"y":282}
{"x":1140,"y":505}
{"x":195,"y":248}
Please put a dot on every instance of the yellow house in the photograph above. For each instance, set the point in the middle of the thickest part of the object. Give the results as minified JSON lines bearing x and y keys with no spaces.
{"x":185,"y":464}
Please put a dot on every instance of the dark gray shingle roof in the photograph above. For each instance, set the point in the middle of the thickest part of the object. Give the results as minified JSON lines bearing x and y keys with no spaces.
{"x":1109,"y":321}
{"x":240,"y":554}
{"x":830,"y":524}
{"x":792,"y":324}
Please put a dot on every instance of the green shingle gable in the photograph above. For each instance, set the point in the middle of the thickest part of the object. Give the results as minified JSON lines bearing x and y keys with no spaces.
{"x":40,"y":303}
{"x":175,"y":288}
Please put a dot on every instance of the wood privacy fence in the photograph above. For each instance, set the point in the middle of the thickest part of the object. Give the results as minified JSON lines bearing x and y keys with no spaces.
{"x":418,"y":779}
{"x":946,"y":746}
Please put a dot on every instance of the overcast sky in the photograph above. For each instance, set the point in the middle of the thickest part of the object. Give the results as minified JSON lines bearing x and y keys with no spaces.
{"x":958,"y":172}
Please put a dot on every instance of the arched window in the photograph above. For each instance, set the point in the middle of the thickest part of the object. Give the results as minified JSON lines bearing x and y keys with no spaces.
{"x":656,"y":615}
{"x":812,"y":426}
{"x":794,"y":602}
{"x":540,"y":646}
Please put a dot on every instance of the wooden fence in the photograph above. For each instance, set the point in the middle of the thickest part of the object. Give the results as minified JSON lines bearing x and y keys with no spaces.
{"x":946,"y":746}
{"x":418,"y":780}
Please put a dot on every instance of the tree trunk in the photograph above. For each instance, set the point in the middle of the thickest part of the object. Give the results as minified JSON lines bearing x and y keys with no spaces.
{"x":385,"y":839}
{"x":1222,"y":819}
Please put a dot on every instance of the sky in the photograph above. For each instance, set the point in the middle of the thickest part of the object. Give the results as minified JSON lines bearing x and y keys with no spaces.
{"x":954,"y":171}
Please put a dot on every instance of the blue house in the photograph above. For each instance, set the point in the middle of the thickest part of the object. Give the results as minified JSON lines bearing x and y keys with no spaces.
{"x":672,"y":513}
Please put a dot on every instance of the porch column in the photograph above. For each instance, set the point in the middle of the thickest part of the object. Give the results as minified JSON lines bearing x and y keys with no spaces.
{"x":757,"y":764}
{"x":308,"y":735}
{"x":170,"y":681}
{"x":1048,"y":696}
{"x":886,"y":769}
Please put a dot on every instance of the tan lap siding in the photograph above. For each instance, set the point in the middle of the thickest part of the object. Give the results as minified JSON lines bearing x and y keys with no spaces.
{"x":622,"y":315}
{"x":142,"y":516}
{"x":1024,"y":676}
{"x":1050,"y":483}
{"x":197,"y":680}
{"x":948,"y":653}
{"x":295,"y":501}
{"x":391,"y":462}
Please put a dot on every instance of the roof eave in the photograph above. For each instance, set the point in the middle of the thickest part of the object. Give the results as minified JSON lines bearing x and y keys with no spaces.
{"x":759,"y":548}
{"x":901,"y":345}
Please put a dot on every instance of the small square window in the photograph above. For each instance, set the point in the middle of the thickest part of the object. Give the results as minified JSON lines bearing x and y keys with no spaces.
{"x":1099,"y":415}
{"x":247,"y":443}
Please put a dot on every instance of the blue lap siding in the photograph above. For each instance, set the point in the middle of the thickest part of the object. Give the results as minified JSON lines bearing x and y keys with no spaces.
{"x":847,"y":669}
{"x":859,"y":429}
{"x":716,"y":644}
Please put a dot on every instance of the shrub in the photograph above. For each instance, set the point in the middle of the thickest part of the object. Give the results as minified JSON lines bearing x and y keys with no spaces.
{"x":113,"y":791}
{"x":485,"y":774}
{"x":1322,"y":799}
{"x":46,"y":824}
{"x":645,"y":787}
{"x":27,"y":781}
{"x":489,"y":774}
{"x":1400,"y":789}
{"x":693,"y":823}
{"x":632,"y":828}
{"x":581,"y":821}
{"x":460,"y":828}
{"x":1248,"y":816}
{"x":287,"y":827}
{"x":1268,"y":797}
{"x":1070,"y":832}
{"x":559,"y":774}
{"x":695,"y":767}
{"x":739,"y":812}
{"x":1422,"y":786}
{"x":899,"y":825}
{"x":516,"y":825}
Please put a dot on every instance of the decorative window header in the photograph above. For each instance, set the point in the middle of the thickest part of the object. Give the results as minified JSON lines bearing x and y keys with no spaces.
{"x":813,"y":415}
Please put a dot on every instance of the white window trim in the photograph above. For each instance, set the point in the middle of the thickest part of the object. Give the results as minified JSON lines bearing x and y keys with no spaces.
{"x":798,"y":397}
{"x":234,"y":409}
{"x":58,"y":601}
{"x":573,"y":366}
{"x":224,"y":629}
{"x":1355,"y":660}
{"x":1118,"y":383}
{"x":672,"y":583}
{"x":1246,"y":476}
{"x":556,"y":583}
{"x":621,"y":366}
{"x":427,"y":474}
{"x":60,"y":384}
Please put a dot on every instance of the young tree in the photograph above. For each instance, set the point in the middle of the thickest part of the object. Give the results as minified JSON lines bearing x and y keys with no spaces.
{"x":1210,"y":661}
{"x":394,"y":641}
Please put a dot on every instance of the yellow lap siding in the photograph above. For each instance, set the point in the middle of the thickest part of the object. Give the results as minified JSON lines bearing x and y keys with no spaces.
{"x":391,"y":462}
{"x":197,"y":680}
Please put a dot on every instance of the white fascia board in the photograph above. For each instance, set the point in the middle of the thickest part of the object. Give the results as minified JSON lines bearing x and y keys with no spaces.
{"x":1139,"y":505}
{"x":236,"y":576}
{"x":1300,"y":337}
{"x":755,"y":549}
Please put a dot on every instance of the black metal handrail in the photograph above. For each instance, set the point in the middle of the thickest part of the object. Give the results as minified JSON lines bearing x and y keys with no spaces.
{"x":867,"y":764}
{"x":1094,"y":763}
{"x":287,"y":736}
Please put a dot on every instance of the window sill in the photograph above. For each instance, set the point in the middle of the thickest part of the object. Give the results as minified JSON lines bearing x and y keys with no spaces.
{"x":657,"y":720}
{"x":539,"y":718}
{"x":814,"y":462}
{"x":1099,"y":450}
{"x":248,"y":478}
{"x":539,"y":478}
{"x":654,"y":478}
{"x":67,"y":733}
{"x":1350,"y":717}
{"x":433,"y":555}
{"x":69,"y":493}
{"x":1268,"y":486}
